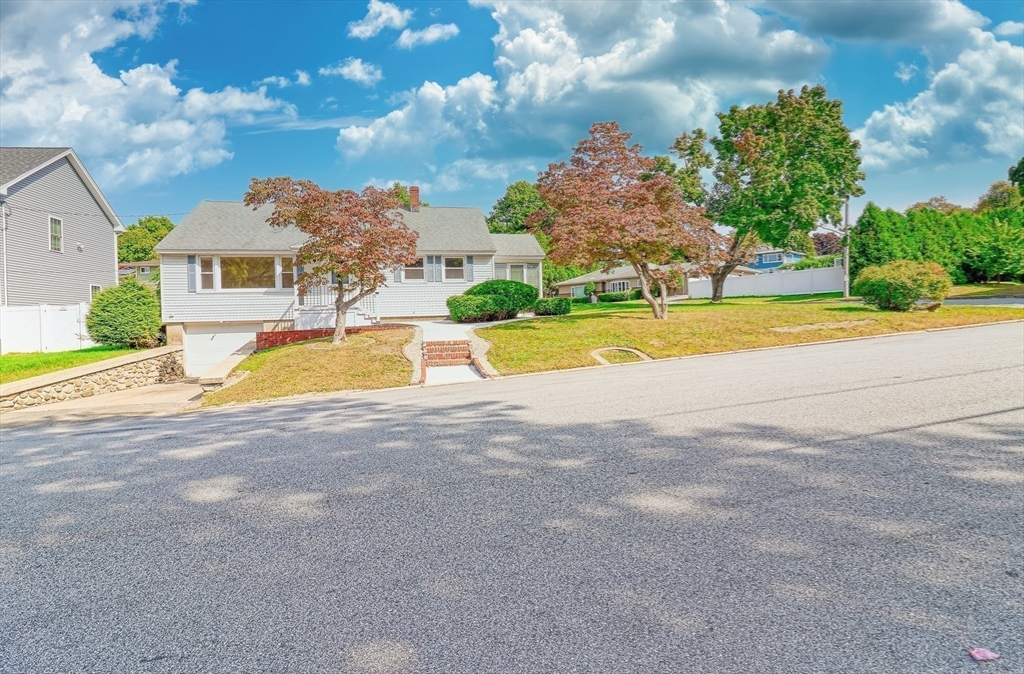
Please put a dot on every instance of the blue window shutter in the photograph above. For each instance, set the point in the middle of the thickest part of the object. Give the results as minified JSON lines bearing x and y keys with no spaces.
{"x":469,"y":268}
{"x":430,"y":268}
{"x":191,"y":273}
{"x":398,"y":274}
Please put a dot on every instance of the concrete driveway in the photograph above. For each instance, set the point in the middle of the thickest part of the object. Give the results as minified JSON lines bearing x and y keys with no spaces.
{"x":848,"y":507}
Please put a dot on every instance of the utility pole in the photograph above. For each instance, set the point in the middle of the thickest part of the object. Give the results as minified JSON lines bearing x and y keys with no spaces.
{"x":846,"y":250}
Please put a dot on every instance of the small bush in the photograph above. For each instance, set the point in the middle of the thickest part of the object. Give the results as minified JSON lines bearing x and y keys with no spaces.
{"x":588,"y":288}
{"x":521,"y":295}
{"x":127,"y":314}
{"x":897,"y":286}
{"x":552,"y":306}
{"x":479,"y":308}
{"x":581,"y":300}
{"x":613,"y":297}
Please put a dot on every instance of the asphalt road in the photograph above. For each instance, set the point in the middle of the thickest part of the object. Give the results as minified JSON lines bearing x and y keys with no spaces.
{"x":847,"y":507}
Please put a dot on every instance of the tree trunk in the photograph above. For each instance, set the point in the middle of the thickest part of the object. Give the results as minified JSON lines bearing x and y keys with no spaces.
{"x":663,"y":299}
{"x":645,"y":292}
{"x":718,"y":281}
{"x":341,"y":307}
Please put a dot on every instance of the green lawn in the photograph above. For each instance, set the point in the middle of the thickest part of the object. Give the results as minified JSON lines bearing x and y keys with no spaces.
{"x":366,"y":361}
{"x":697,"y":326}
{"x":14,"y":366}
{"x":1005,"y":289}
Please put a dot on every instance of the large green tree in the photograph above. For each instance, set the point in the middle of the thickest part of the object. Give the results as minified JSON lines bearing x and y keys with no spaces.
{"x":788,"y":165}
{"x":136,"y":243}
{"x":1016,"y":175}
{"x":520,"y":201}
{"x":1000,"y":194}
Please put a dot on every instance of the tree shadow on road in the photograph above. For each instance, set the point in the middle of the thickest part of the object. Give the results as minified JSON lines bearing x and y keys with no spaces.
{"x":347,"y":533}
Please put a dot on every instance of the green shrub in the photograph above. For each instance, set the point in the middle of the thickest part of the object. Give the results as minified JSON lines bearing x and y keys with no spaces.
{"x":125,"y":315}
{"x":522,"y":295}
{"x":588,"y":288}
{"x":897,"y":286}
{"x":811,"y":262}
{"x":581,"y":300}
{"x":613,"y":297}
{"x":552,"y":306}
{"x":480,"y":308}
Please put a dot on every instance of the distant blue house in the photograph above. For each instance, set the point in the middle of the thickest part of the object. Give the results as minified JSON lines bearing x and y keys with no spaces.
{"x":771,"y":258}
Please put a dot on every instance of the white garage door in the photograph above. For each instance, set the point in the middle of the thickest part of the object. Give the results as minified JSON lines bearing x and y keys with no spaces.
{"x":208,"y":345}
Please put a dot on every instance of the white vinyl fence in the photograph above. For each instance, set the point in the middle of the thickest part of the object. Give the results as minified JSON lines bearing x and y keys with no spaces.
{"x":44,"y":327}
{"x":805,"y":282}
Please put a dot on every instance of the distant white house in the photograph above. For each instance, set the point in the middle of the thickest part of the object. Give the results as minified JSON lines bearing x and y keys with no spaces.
{"x":58,"y":248}
{"x":624,"y":279}
{"x":225,"y":274}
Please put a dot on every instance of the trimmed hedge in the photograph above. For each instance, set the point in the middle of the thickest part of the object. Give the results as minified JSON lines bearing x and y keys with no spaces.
{"x":479,"y":308}
{"x":552,"y":306}
{"x":127,"y":314}
{"x":613,"y":297}
{"x":520,"y":295}
{"x":580,"y":300}
{"x":898,"y":286}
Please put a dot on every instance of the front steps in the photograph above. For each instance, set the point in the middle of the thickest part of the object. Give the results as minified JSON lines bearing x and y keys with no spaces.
{"x":448,"y":352}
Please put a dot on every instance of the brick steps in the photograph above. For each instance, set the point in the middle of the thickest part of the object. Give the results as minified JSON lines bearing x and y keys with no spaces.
{"x":451,"y":352}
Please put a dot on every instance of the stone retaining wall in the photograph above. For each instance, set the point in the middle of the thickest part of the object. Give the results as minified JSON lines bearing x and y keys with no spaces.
{"x":155,"y":366}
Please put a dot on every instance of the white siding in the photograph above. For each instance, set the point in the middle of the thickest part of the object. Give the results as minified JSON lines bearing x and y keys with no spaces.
{"x":181,"y":306}
{"x":37,"y":275}
{"x":420,"y":298}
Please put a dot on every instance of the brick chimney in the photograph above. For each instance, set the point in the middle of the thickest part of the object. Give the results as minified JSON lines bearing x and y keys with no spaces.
{"x":414,"y":198}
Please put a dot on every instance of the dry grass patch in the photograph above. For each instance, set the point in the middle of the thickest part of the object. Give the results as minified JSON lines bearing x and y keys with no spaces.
{"x":697,"y":327}
{"x":367,"y":361}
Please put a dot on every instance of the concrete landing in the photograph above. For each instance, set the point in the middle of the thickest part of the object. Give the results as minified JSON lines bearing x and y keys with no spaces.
{"x":451,"y":374}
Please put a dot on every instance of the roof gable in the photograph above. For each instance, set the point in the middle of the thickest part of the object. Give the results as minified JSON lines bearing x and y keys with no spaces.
{"x":19,"y":163}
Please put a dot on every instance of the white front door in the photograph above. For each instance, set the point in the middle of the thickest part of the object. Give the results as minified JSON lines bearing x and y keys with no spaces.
{"x":207,"y":344}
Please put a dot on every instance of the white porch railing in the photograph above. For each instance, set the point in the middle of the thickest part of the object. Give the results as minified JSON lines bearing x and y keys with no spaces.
{"x":315,"y":309}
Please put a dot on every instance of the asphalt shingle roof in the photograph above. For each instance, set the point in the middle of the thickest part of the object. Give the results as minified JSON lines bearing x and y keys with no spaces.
{"x":215,"y":226}
{"x":517,"y":245}
{"x":15,"y":161}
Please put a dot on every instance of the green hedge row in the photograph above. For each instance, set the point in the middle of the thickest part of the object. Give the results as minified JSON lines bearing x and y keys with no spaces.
{"x":491,"y":301}
{"x":552,"y":306}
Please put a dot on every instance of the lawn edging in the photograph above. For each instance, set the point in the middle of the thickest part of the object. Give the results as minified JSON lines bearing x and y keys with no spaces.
{"x":152,"y":366}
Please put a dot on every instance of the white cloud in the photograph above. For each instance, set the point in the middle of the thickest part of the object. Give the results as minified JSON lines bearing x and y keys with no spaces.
{"x":563,"y":65}
{"x":432,"y":114}
{"x":301,"y":78}
{"x":1009,"y":28}
{"x":133,"y":128}
{"x":437,"y":32}
{"x":971,"y":110}
{"x":905,"y":72}
{"x":355,"y":70}
{"x":379,"y":15}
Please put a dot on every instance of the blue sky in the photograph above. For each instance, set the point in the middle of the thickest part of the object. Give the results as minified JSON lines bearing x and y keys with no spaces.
{"x":170,"y":103}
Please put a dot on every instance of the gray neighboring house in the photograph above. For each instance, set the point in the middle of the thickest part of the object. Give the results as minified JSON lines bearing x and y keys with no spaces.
{"x":59,"y":233}
{"x":225,"y":274}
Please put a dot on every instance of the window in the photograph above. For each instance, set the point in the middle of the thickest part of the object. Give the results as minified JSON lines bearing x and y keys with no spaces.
{"x":56,"y":235}
{"x":94,"y":291}
{"x":206,"y":273}
{"x":771,"y":257}
{"x":143,"y":270}
{"x":454,"y":269}
{"x":576,"y":291}
{"x":414,"y":272}
{"x":287,"y":273}
{"x":517,"y":273}
{"x":618,"y":286}
{"x":247,"y":272}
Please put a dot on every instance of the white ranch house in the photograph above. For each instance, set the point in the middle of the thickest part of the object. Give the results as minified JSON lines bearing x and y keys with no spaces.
{"x":226,"y":274}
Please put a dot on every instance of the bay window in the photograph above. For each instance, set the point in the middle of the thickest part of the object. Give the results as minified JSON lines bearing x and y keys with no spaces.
{"x":239,"y":272}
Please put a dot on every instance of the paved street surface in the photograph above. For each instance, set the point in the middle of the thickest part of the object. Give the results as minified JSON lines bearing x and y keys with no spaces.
{"x":846,"y":507}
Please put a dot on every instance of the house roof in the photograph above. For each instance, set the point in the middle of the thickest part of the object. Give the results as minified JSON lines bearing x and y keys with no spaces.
{"x":517,"y":245}
{"x":231,"y":226}
{"x":18,"y":163}
{"x":765,"y":249}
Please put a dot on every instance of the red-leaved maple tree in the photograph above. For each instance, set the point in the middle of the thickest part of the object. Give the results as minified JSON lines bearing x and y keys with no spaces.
{"x":612,"y":207}
{"x":359,"y":237}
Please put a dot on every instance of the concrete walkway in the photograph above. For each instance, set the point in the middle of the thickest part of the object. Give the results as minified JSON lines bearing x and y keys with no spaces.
{"x":157,"y":399}
{"x":444,"y":331}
